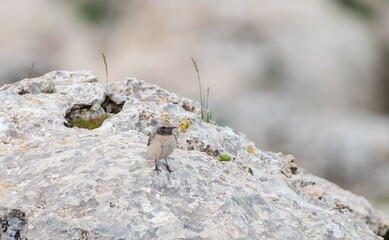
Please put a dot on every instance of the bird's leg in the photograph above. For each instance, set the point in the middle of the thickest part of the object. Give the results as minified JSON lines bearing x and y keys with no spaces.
{"x":156,"y":167}
{"x":167,"y":167}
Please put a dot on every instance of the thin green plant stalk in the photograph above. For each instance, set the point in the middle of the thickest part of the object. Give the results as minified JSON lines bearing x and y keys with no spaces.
{"x":206,"y":99}
{"x":32,"y":68}
{"x":207,"y":114}
{"x":106,"y":68}
{"x":201,"y":92}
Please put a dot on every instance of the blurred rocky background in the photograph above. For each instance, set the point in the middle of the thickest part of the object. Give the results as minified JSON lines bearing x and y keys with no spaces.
{"x":316,"y":73}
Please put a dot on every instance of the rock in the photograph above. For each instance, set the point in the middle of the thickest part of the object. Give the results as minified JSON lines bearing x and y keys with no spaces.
{"x":73,"y":183}
{"x":13,"y":224}
{"x":350,"y":148}
{"x":330,"y":54}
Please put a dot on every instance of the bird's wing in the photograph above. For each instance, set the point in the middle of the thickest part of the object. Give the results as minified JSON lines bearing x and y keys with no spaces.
{"x":151,"y":137}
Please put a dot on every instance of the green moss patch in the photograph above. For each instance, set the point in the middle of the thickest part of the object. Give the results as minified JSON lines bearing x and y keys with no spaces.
{"x":224,"y":158}
{"x":90,"y":123}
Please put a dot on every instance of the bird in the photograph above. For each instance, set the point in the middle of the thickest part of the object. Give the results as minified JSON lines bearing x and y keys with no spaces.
{"x":161,"y":144}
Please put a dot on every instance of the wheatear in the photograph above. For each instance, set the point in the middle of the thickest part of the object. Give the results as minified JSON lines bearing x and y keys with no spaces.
{"x":161,"y":144}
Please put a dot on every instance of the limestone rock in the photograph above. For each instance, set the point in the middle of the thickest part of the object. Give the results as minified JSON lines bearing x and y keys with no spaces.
{"x":350,"y":148}
{"x":58,"y":182}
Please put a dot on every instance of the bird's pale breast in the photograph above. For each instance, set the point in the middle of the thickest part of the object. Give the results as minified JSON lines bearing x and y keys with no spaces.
{"x":161,"y":146}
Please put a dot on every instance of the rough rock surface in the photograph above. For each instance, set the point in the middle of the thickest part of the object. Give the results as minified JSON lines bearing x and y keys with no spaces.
{"x":58,"y":182}
{"x":275,"y":59}
{"x":350,"y":148}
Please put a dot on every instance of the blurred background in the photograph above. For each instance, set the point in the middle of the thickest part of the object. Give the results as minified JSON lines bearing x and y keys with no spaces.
{"x":306,"y":77}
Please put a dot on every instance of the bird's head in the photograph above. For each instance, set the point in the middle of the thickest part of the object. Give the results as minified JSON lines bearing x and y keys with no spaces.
{"x":165,"y":128}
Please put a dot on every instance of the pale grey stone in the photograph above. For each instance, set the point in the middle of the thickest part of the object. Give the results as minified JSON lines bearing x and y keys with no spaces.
{"x":72,"y":183}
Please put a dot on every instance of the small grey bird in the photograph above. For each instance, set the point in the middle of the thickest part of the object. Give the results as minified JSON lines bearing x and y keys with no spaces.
{"x":161,"y":144}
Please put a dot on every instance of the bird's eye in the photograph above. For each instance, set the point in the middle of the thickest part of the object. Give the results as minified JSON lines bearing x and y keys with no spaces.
{"x":163,"y":127}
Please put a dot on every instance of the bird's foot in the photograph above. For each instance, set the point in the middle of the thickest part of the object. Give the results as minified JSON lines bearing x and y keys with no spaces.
{"x":168,"y":168}
{"x":157,"y":170}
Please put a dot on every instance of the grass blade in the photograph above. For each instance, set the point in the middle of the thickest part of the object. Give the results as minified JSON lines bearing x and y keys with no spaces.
{"x":32,"y":68}
{"x":106,"y":68}
{"x":201,"y":92}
